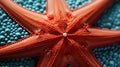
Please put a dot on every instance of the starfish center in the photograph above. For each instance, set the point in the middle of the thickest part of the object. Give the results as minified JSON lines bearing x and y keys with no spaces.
{"x":64,"y":34}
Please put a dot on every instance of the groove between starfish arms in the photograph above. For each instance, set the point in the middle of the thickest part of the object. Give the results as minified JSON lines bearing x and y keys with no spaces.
{"x":61,"y":36}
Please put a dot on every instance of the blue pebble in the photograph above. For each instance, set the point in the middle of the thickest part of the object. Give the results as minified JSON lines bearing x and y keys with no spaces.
{"x":2,"y":37}
{"x":7,"y":30}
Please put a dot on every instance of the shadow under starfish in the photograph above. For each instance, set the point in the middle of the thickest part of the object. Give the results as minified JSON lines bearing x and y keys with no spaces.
{"x":61,"y":36}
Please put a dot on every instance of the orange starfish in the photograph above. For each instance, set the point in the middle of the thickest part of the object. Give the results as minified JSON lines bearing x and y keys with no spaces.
{"x":61,"y":36}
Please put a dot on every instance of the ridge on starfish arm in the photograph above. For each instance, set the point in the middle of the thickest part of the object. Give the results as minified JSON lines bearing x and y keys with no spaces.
{"x":61,"y":36}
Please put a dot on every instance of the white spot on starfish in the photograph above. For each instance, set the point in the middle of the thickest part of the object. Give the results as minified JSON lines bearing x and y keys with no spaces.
{"x":64,"y":34}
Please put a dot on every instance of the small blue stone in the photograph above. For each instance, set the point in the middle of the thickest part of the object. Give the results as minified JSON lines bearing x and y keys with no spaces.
{"x":17,"y":34}
{"x":7,"y":30}
{"x":21,"y":66}
{"x":2,"y":37}
{"x":112,"y":62}
{"x":2,"y":43}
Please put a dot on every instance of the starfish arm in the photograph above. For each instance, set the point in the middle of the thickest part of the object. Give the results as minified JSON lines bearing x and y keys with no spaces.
{"x":91,"y":12}
{"x":31,"y":21}
{"x":57,"y":9}
{"x":102,"y":37}
{"x":28,"y":47}
{"x":82,"y":56}
{"x":88,"y":14}
{"x":54,"y":58}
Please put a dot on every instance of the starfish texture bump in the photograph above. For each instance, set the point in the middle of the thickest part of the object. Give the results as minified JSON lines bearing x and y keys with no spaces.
{"x":61,"y":36}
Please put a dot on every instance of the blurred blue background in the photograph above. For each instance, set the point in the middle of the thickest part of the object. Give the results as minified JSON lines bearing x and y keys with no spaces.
{"x":10,"y":31}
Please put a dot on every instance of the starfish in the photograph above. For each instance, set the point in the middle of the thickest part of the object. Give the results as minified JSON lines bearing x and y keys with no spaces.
{"x":61,"y":36}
